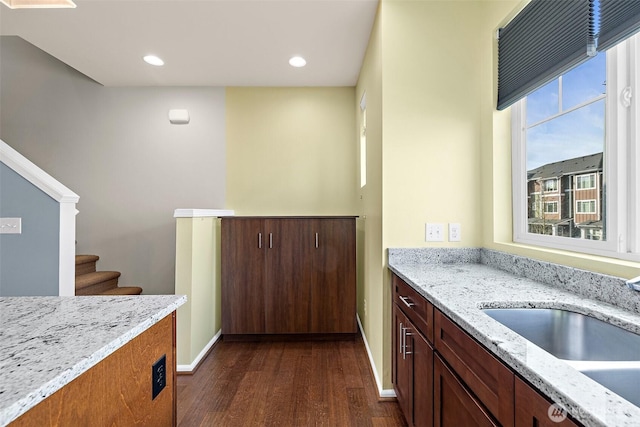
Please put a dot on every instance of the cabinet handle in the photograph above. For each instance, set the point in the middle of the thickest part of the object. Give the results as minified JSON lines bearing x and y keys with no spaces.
{"x":259,"y":240}
{"x":406,"y":334}
{"x":270,"y":240}
{"x":316,"y":240}
{"x":407,"y":303}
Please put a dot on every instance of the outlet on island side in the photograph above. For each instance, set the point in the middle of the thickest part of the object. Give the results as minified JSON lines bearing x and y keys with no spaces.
{"x":158,"y":376}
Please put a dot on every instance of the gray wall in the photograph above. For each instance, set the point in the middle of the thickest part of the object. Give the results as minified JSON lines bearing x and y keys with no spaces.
{"x":28,"y":261}
{"x":116,"y":149}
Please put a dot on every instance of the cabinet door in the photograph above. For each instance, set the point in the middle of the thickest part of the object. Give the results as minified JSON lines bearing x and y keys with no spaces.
{"x":422,"y":357}
{"x":403,"y":372}
{"x":242,"y":269}
{"x":289,"y":269}
{"x":534,"y":410}
{"x":334,"y":278}
{"x":454,"y":405}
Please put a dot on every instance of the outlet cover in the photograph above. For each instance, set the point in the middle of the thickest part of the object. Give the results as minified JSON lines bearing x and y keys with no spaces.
{"x":10,"y":225}
{"x":158,"y":376}
{"x":434,"y":232}
{"x":455,"y":232}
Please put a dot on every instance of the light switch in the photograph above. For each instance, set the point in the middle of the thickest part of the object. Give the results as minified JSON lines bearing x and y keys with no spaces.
{"x":10,"y":225}
{"x":434,"y":232}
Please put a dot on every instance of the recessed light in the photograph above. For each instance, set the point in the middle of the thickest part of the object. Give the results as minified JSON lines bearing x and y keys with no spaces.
{"x":153,"y":60}
{"x":297,"y":61}
{"x":33,"y":4}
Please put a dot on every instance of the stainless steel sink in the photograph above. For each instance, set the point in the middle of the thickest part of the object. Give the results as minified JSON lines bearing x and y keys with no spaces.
{"x":622,"y":381}
{"x":568,"y":335}
{"x":606,"y":353}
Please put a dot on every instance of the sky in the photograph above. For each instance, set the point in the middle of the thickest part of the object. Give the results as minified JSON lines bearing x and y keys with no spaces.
{"x":574,"y":134}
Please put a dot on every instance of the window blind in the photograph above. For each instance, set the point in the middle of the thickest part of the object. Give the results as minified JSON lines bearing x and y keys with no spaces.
{"x":547,"y":38}
{"x":619,"y":19}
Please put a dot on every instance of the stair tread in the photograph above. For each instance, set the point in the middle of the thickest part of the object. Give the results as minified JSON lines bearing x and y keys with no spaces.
{"x":123,"y":290}
{"x":89,"y":279}
{"x":83,"y":259}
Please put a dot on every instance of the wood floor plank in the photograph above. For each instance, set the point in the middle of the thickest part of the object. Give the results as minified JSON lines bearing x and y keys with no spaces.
{"x":295,"y":383}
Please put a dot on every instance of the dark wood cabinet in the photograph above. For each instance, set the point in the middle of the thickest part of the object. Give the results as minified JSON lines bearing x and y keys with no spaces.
{"x":534,"y":410}
{"x":288,"y":275}
{"x":483,"y":374}
{"x":449,"y":379}
{"x":412,"y":360}
{"x":454,"y":405}
{"x":243,"y":279}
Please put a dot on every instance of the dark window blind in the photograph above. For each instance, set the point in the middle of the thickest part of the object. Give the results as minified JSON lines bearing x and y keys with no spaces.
{"x":546,"y":39}
{"x":619,"y":19}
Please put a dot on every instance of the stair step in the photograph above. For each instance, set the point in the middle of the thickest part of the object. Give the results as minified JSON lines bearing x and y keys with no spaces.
{"x":123,"y":290}
{"x":86,"y":264}
{"x":104,"y":279}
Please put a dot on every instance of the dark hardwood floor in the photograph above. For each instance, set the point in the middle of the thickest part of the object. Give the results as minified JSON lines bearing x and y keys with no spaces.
{"x":321,"y":383}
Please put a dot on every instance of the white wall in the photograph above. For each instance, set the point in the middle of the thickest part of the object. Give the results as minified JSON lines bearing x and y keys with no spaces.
{"x":116,"y":149}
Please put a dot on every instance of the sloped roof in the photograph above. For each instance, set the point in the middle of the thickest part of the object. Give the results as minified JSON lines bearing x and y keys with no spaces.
{"x":585,"y":164}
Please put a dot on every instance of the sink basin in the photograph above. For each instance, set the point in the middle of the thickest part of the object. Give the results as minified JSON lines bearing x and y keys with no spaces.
{"x":607,"y":354}
{"x":570,"y":336}
{"x":623,"y":382}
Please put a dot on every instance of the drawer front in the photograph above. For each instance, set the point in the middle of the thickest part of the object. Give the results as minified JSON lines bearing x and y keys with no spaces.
{"x":484,"y":375}
{"x":415,"y":306}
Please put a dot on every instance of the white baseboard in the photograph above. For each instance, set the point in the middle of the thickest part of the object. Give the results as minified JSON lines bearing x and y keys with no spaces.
{"x":381,"y":392}
{"x":190,"y":368}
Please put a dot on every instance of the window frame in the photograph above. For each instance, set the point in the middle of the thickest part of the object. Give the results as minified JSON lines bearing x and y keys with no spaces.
{"x":591,"y":175}
{"x":621,"y":166}
{"x":552,"y":203}
{"x":583,"y":202}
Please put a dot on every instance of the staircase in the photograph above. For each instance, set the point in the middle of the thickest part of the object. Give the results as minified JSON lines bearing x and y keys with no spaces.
{"x":92,"y":282}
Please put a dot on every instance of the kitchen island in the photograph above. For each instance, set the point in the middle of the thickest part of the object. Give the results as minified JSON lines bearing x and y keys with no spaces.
{"x":459,"y":283}
{"x":81,"y":357}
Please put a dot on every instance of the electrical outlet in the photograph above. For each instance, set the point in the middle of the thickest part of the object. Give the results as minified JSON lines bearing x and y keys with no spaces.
{"x":10,"y":225}
{"x":158,"y":376}
{"x":455,"y":232}
{"x":434,"y":232}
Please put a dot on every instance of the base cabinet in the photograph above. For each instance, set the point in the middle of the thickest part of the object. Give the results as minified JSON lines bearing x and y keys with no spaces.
{"x":534,"y":410}
{"x":454,"y":404}
{"x":452,"y":380}
{"x":413,"y":366}
{"x":288,"y":275}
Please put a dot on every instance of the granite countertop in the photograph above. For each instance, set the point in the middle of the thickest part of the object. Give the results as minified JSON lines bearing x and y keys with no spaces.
{"x":461,"y":282}
{"x":46,"y":342}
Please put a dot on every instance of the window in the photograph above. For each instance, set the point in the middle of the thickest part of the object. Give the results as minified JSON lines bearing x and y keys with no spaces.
{"x":551,"y":207}
{"x":577,"y":136}
{"x":363,"y":142}
{"x":585,"y":181}
{"x":551,"y":185}
{"x":586,"y":206}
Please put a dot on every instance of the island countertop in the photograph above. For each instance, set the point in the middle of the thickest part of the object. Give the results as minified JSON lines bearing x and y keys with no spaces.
{"x":46,"y":342}
{"x":460,"y":283}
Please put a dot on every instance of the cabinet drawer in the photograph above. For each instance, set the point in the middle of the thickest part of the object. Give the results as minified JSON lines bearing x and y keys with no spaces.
{"x":484,"y":375}
{"x":415,"y":306}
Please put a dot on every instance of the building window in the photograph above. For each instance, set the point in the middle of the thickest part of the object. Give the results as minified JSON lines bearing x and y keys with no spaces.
{"x":551,"y":185}
{"x":551,"y":207}
{"x":577,"y":136}
{"x":586,"y":206}
{"x":585,"y":181}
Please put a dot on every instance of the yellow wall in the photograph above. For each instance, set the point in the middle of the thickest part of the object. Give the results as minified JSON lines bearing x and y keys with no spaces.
{"x":291,"y":151}
{"x":374,"y":320}
{"x":198,"y":277}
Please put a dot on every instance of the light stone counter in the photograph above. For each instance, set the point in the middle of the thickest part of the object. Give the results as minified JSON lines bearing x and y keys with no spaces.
{"x":46,"y":342}
{"x":460,"y":282}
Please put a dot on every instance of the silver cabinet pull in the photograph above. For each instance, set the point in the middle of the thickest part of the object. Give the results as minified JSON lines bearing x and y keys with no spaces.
{"x":259,"y":240}
{"x":406,"y":334}
{"x":270,"y":240}
{"x":407,"y":303}
{"x":316,"y":240}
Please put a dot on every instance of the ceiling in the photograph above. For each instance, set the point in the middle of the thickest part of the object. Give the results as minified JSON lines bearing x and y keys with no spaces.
{"x":203,"y":42}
